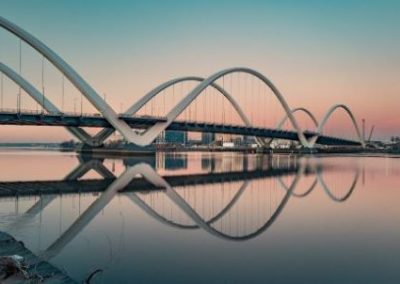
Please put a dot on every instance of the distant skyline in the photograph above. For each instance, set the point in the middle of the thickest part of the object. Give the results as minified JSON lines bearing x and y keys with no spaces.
{"x":318,"y":53}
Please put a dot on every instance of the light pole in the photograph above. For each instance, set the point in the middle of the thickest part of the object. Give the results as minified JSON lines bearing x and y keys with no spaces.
{"x":62,"y":95}
{"x":81,"y":104}
{"x":20,"y":71}
{"x":363,"y":129}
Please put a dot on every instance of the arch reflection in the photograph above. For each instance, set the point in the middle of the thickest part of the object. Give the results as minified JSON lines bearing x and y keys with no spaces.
{"x":231,"y":198}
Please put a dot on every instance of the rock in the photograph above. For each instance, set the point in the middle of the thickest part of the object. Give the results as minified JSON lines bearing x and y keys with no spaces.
{"x":12,"y":266}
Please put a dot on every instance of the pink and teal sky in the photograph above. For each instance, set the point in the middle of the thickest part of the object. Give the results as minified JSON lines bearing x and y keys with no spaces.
{"x":317,"y":53}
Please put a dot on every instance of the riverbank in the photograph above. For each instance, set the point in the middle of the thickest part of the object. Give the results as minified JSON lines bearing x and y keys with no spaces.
{"x":20,"y":265}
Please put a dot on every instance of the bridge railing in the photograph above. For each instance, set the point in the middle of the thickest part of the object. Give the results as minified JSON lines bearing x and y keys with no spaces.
{"x":162,"y":118}
{"x":75,"y":114}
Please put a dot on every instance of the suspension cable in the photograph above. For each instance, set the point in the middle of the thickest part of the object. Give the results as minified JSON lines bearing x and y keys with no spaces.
{"x":152,"y":106}
{"x":223,"y":101}
{"x":204,"y":104}
{"x":173,"y":95}
{"x":81,"y":104}
{"x":2,"y":90}
{"x":260,"y":98}
{"x":212,"y":111}
{"x":265,"y":104}
{"x":231,"y":91}
{"x":251,"y":96}
{"x":20,"y":71}
{"x":43,"y":88}
{"x":195,"y":108}
{"x":62,"y":94}
{"x":189,"y":108}
{"x":164,"y":94}
{"x":145,"y":109}
{"x":180,"y":96}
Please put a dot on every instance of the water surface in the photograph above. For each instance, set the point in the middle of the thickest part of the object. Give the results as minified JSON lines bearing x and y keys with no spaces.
{"x":207,"y":218}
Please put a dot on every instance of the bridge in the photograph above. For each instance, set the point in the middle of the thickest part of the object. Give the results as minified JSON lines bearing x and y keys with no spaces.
{"x":137,"y":122}
{"x":144,"y":129}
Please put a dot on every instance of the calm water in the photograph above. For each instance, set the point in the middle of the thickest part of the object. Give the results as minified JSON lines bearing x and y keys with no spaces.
{"x":202,"y":218}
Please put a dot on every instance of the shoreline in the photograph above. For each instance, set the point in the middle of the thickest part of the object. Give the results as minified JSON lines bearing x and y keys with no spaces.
{"x":112,"y":153}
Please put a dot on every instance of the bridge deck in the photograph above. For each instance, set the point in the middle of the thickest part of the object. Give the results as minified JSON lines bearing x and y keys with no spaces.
{"x":143,"y":122}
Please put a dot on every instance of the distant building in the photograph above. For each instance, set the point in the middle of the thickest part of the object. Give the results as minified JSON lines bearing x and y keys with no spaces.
{"x":238,"y":141}
{"x":207,"y":138}
{"x":228,"y":144}
{"x":175,"y":137}
{"x":193,"y":142}
{"x":248,"y":140}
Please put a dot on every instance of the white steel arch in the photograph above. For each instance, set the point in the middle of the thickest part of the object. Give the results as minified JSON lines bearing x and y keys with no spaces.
{"x":328,"y":114}
{"x":155,"y":130}
{"x":105,"y":133}
{"x":285,"y":118}
{"x":44,"y":102}
{"x":73,"y":76}
{"x":299,"y":109}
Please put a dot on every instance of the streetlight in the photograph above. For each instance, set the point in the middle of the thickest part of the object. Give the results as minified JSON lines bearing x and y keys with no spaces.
{"x":74,"y":105}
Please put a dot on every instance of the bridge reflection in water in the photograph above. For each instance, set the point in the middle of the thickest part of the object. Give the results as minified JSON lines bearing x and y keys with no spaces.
{"x":234,"y":199}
